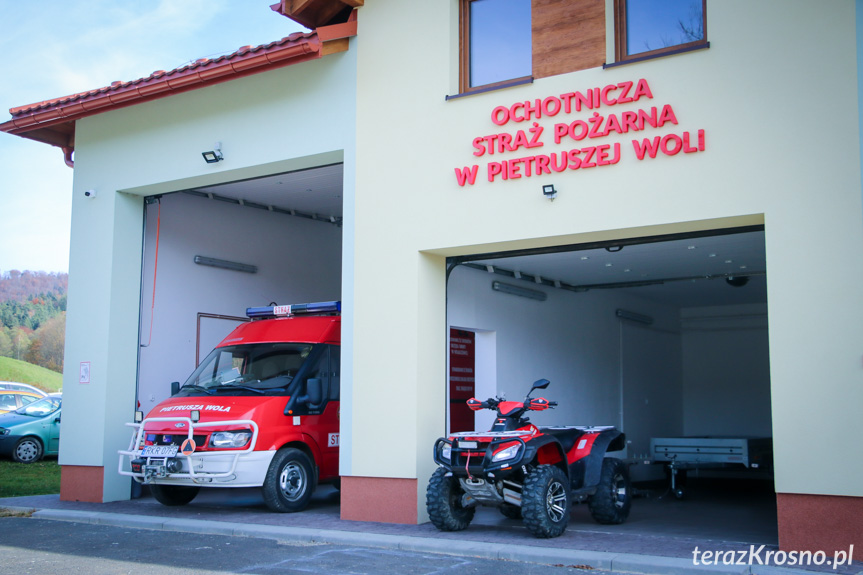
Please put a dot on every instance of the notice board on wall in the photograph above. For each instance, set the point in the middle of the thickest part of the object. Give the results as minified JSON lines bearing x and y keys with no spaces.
{"x":462,"y":379}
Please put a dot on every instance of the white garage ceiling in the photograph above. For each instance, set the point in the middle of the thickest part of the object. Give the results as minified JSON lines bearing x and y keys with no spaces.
{"x":683,"y":272}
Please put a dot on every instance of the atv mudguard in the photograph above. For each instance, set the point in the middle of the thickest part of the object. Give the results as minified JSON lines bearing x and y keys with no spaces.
{"x":585,"y":472}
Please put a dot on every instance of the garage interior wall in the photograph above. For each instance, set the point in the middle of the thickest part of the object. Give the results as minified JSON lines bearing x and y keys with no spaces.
{"x":297,"y":260}
{"x":694,"y":371}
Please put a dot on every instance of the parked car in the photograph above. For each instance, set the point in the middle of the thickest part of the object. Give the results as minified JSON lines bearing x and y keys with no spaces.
{"x":15,"y":386}
{"x":33,"y":431}
{"x":12,"y":400}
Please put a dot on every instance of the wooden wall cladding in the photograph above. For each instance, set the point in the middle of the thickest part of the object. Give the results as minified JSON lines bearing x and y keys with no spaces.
{"x":568,"y":35}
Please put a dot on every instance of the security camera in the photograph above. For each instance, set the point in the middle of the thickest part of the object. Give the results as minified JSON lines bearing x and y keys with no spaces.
{"x":90,"y":194}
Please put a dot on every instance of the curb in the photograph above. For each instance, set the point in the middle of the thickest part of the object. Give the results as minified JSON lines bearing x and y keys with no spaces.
{"x":586,"y":560}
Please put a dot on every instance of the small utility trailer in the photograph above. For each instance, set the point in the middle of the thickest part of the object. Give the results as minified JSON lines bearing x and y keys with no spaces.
{"x":683,"y":453}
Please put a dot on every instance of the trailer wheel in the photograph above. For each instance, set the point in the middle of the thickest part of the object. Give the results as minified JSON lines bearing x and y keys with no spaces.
{"x":443,"y":503}
{"x":613,"y":498}
{"x":174,"y":495}
{"x":510,"y":511}
{"x":545,"y":504}
{"x":290,"y":482}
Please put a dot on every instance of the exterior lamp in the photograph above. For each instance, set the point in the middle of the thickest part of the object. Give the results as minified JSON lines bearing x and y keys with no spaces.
{"x":549,"y":192}
{"x":215,"y":155}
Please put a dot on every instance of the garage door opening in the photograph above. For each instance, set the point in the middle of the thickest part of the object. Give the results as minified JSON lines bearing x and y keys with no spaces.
{"x":212,"y":252}
{"x":665,"y":338}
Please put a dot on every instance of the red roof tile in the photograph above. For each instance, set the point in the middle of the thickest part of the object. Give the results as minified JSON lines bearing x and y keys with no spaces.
{"x":36,"y":120}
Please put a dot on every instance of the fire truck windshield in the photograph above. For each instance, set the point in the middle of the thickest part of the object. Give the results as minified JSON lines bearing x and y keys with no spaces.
{"x":258,"y":369}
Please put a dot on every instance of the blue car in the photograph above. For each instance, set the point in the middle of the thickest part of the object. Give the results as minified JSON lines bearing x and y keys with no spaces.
{"x":31,"y":432}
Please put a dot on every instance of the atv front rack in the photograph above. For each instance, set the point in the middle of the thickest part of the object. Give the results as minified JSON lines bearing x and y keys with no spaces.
{"x":464,"y":447}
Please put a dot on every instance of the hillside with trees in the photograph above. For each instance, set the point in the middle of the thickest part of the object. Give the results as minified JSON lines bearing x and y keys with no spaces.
{"x":33,"y":317}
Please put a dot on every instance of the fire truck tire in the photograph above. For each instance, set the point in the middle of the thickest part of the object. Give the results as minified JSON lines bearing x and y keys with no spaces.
{"x":443,"y":503}
{"x":510,"y":511}
{"x":613,"y":498}
{"x":545,"y":502}
{"x":27,"y":450}
{"x":174,"y":495}
{"x":290,"y":481}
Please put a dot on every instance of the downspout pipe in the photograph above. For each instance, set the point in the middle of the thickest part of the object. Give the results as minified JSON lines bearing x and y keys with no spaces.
{"x":67,"y":156}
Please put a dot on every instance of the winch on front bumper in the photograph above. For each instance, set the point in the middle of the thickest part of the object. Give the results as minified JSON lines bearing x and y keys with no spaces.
{"x":178,"y":460}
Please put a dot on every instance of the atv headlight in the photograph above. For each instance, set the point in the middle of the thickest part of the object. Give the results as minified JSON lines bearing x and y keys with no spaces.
{"x":507,"y":453}
{"x":230,"y":438}
{"x":446,"y":452}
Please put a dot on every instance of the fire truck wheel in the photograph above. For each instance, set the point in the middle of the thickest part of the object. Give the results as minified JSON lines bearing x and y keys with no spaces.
{"x":174,"y":495}
{"x":27,"y":450}
{"x":510,"y":511}
{"x":290,"y":481}
{"x":545,"y":504}
{"x":444,"y":503}
{"x":613,"y":498}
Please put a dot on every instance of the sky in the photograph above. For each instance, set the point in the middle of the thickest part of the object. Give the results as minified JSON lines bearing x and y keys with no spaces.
{"x":55,"y":48}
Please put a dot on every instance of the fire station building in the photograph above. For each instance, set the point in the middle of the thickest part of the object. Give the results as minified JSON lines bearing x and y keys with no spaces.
{"x":657,"y":210}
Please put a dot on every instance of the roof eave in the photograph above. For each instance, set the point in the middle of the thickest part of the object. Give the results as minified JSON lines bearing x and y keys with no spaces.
{"x":55,"y":124}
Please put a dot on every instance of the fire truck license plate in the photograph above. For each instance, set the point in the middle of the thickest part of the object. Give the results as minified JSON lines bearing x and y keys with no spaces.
{"x":159,"y":451}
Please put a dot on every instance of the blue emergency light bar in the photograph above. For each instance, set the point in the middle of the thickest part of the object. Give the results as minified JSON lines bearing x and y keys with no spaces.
{"x":322,"y":307}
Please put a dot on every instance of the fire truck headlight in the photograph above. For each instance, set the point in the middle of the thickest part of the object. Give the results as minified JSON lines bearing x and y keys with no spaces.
{"x":230,"y":438}
{"x":507,"y":453}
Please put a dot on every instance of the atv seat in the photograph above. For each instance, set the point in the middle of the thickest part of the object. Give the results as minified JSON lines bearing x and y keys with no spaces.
{"x":565,"y":435}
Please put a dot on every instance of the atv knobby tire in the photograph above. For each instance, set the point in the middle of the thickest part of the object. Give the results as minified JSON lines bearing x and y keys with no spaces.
{"x":443,"y":503}
{"x":613,"y":498}
{"x":545,"y":502}
{"x":174,"y":495}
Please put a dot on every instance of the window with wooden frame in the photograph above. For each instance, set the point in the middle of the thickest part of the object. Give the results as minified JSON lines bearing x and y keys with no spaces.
{"x":649,"y":28}
{"x":495,"y":43}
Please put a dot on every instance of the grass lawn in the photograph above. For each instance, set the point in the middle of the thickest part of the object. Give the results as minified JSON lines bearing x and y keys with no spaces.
{"x":19,"y":479}
{"x":23,"y":372}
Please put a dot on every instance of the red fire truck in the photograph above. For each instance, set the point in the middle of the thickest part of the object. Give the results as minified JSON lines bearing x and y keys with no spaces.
{"x":261,"y":410}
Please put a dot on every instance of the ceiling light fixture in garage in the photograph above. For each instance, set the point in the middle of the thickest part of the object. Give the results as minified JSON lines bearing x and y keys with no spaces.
{"x":226,"y":265}
{"x":519,"y":291}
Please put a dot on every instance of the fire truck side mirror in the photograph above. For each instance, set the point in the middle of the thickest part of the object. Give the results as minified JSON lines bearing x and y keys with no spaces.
{"x":175,"y":387}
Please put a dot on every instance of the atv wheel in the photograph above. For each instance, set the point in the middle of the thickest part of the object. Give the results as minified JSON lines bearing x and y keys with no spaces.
{"x":545,"y":504}
{"x":290,"y":481}
{"x":443,"y":503}
{"x":174,"y":495}
{"x":613,"y":498}
{"x":510,"y":511}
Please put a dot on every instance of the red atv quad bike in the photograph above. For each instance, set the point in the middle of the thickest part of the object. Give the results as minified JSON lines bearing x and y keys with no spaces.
{"x":528,"y":472}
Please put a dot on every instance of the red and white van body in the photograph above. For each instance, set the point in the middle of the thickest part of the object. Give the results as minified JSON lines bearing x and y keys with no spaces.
{"x":227,"y":422}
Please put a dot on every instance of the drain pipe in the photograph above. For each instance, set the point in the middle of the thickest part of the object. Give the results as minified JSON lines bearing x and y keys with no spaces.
{"x":67,"y":156}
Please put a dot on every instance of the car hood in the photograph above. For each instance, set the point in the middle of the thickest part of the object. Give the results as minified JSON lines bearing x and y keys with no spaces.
{"x":12,"y":419}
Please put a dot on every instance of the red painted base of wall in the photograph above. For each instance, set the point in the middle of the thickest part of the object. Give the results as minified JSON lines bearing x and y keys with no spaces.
{"x":380,"y":499}
{"x":81,"y":483}
{"x":820,"y":523}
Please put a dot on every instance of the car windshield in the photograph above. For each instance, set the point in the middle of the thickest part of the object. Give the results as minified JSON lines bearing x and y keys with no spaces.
{"x":261,"y":369}
{"x":41,"y":407}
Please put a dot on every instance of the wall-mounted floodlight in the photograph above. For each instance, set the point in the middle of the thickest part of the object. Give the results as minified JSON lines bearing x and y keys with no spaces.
{"x":226,"y":265}
{"x":214,"y":155}
{"x":549,"y":192}
{"x":519,"y":291}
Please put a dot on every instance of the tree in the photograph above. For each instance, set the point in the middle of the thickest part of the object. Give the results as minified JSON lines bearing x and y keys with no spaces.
{"x":5,"y":343}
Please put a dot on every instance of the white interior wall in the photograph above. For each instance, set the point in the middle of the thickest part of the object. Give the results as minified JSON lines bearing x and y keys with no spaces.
{"x":298,"y":260}
{"x":573,"y":340}
{"x":726,"y":371}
